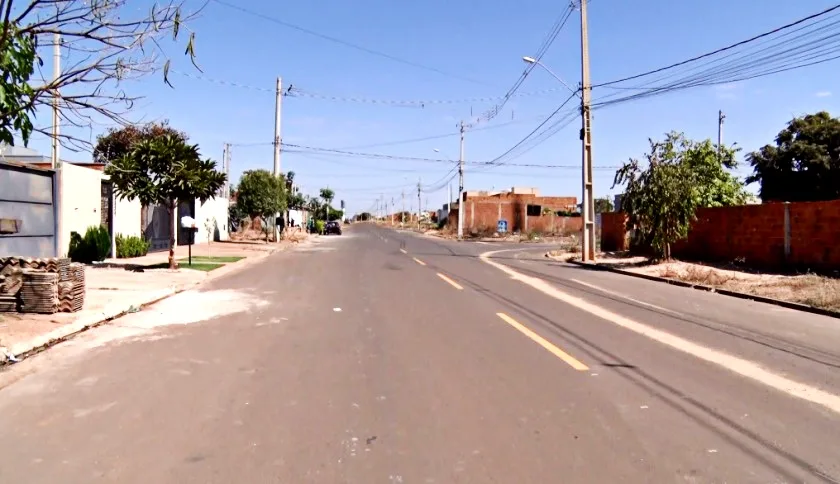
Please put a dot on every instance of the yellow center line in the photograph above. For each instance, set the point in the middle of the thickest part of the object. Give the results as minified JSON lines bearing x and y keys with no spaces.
{"x":403,"y":251}
{"x":450,"y":281}
{"x":419,"y":261}
{"x":569,"y":359}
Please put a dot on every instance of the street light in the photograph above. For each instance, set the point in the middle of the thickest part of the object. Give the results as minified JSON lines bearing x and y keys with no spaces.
{"x":584,"y":93}
{"x":531,"y":60}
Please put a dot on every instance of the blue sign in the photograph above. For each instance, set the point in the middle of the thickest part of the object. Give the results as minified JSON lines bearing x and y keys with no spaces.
{"x":501,"y":227}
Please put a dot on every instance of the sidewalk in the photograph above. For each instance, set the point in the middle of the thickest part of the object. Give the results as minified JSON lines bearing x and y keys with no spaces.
{"x":215,"y":249}
{"x":111,"y":291}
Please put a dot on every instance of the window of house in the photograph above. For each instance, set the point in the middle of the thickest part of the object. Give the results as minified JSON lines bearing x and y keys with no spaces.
{"x":534,"y":210}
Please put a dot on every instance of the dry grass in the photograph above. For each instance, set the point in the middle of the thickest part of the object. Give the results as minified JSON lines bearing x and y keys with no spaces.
{"x":809,"y":289}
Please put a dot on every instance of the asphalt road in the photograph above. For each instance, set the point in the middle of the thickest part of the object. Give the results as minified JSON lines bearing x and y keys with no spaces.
{"x":387,"y":357}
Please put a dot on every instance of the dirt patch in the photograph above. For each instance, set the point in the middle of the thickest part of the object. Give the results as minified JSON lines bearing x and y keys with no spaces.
{"x":810,"y":289}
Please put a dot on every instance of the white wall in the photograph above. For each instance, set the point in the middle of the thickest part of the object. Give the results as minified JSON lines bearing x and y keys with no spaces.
{"x":80,"y":206}
{"x":127,"y":217}
{"x":298,"y":216}
{"x":215,"y":207}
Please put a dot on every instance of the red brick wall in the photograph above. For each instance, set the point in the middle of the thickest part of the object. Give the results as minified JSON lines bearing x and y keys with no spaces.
{"x":613,"y":231}
{"x":752,"y":234}
{"x":483,"y":214}
{"x":815,"y":234}
{"x":755,"y":235}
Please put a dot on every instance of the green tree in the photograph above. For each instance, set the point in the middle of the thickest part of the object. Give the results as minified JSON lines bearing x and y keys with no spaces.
{"x":17,"y":63}
{"x":804,"y":164}
{"x":603,"y":205}
{"x":680,"y":175}
{"x":163,"y":171}
{"x":261,"y":194}
{"x":104,"y":42}
{"x":118,"y":142}
{"x":327,"y":195}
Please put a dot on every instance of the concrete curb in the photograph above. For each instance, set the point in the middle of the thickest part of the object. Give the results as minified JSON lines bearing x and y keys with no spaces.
{"x":42,"y":342}
{"x":700,"y":287}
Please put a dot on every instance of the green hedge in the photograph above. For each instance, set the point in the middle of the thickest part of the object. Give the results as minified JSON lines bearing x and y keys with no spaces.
{"x":94,"y":246}
{"x":131,"y":246}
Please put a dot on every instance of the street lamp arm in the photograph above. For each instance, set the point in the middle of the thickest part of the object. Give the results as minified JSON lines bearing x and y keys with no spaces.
{"x":531,"y":60}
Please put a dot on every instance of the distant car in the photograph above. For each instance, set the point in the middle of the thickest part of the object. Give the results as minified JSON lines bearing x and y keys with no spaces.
{"x":333,"y":227}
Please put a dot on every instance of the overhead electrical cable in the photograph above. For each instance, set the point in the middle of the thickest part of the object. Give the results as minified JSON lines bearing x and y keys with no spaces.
{"x":345,"y":43}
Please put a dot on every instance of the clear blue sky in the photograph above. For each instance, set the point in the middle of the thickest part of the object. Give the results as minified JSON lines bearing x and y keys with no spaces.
{"x":479,"y":40}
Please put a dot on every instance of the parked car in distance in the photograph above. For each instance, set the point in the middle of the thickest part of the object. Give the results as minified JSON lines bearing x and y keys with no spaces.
{"x":333,"y":227}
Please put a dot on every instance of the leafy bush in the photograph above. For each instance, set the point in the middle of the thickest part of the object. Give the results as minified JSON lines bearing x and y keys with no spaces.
{"x":131,"y":246}
{"x":94,"y":246}
{"x":320,"y":225}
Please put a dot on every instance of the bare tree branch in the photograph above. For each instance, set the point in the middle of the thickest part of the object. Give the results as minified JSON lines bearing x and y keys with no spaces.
{"x":107,"y":42}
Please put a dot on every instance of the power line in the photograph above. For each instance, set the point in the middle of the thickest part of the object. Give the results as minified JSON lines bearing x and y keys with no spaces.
{"x":419,"y":103}
{"x":723,"y":49}
{"x":346,"y":43}
{"x":496,"y":160}
{"x":541,"y":51}
{"x":308,"y":150}
{"x":222,"y":82}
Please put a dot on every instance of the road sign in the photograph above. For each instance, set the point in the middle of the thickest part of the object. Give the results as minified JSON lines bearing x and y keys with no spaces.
{"x":501,"y":227}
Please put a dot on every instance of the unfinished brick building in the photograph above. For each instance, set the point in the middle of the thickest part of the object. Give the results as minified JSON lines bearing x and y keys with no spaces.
{"x":524,"y":209}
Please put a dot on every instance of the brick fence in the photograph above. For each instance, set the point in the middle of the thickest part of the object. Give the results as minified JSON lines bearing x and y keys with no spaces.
{"x":803,"y":235}
{"x":482,"y":213}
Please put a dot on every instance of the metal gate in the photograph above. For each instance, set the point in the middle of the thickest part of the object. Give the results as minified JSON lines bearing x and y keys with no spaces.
{"x":105,"y":215}
{"x":157,"y":226}
{"x":28,"y":212}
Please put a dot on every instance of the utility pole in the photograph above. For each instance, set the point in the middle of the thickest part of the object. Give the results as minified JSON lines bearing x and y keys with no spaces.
{"x":56,"y":159}
{"x":56,"y":95}
{"x":392,"y":211}
{"x":721,"y":117}
{"x":226,"y":168}
{"x":419,"y":192}
{"x":588,"y":205}
{"x":461,"y":185}
{"x":277,"y":138}
{"x":402,"y":214}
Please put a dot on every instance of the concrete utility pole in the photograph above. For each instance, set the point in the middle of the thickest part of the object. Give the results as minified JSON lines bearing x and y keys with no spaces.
{"x":419,"y":191}
{"x":56,"y":159}
{"x":721,"y":117}
{"x":277,"y":138}
{"x":588,"y":203}
{"x":461,"y":185}
{"x":402,"y":214}
{"x":56,"y":96}
{"x":226,"y":168}
{"x":392,"y":211}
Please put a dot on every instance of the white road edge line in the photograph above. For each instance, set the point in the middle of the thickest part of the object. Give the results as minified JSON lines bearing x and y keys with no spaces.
{"x":735,"y":364}
{"x":654,"y":306}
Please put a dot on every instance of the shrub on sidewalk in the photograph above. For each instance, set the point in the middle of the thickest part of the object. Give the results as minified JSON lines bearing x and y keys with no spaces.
{"x":320,"y":226}
{"x":94,"y":246}
{"x":131,"y":246}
